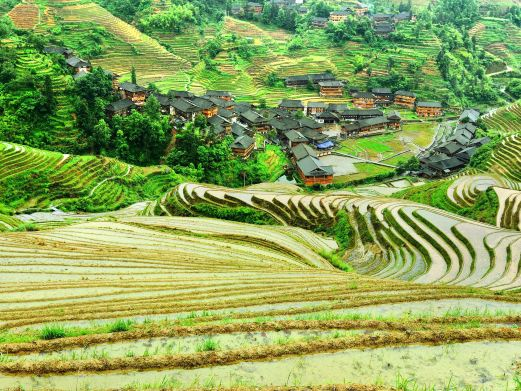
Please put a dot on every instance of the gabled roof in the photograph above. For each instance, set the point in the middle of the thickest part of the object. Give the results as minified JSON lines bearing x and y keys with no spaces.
{"x":364,"y":95}
{"x":309,"y":122}
{"x":394,"y":115}
{"x":311,"y":167}
{"x":332,"y":83}
{"x":384,"y":28}
{"x":328,"y":115}
{"x":77,"y":62}
{"x":164,"y":100}
{"x":225,"y":113}
{"x":429,"y":104}
{"x":362,"y":113}
{"x":317,"y":105}
{"x":405,"y":93}
{"x":291,"y":104}
{"x":450,"y":147}
{"x":318,"y":19}
{"x":243,"y":142}
{"x":122,"y":104}
{"x":131,"y":87}
{"x":303,"y":150}
{"x":468,"y":127}
{"x":339,"y":13}
{"x":57,"y":50}
{"x":181,"y":94}
{"x":238,"y":129}
{"x":284,"y":124}
{"x":218,"y":94}
{"x":385,"y":91}
{"x":470,"y":115}
{"x":184,"y":105}
{"x":294,"y":136}
{"x":313,"y":135}
{"x":253,"y":117}
{"x":337,"y":107}
{"x":203,"y":103}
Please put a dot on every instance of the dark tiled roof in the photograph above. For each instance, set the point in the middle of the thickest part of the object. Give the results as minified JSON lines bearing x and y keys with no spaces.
{"x":364,"y":95}
{"x":243,"y":142}
{"x":131,"y":87}
{"x":385,"y":91}
{"x":429,"y":104}
{"x":312,"y":167}
{"x":291,"y":104}
{"x":332,"y":83}
{"x":77,"y":62}
{"x":122,"y":104}
{"x":302,"y":150}
{"x":405,"y":93}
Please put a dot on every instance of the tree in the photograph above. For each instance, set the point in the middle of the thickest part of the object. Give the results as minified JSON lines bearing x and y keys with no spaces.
{"x":6,"y":27}
{"x":460,"y":13}
{"x":101,"y":136}
{"x":48,"y":94}
{"x":133,"y":75}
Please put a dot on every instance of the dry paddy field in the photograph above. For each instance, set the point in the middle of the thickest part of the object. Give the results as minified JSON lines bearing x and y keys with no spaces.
{"x":178,"y":302}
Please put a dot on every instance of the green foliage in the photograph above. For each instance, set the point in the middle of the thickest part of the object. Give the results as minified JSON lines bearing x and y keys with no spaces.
{"x":342,"y":231}
{"x":336,"y":261}
{"x":241,"y":214}
{"x":481,"y":157}
{"x":127,"y":10}
{"x":433,"y":194}
{"x":6,"y":27}
{"x":120,"y":325}
{"x":514,"y":88}
{"x":53,"y":331}
{"x":19,"y":188}
{"x":175,"y":19}
{"x":208,"y":345}
{"x":460,"y":13}
{"x":484,"y":209}
{"x":413,"y":164}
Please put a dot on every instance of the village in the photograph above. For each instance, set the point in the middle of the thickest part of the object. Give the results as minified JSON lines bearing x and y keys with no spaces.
{"x":383,"y":23}
{"x":308,"y":131}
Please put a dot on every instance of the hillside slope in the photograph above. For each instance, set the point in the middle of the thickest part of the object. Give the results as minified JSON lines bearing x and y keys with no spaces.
{"x":391,"y":238}
{"x":36,"y":179}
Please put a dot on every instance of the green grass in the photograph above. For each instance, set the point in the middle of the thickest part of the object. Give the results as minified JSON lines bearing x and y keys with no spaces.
{"x":53,"y":331}
{"x":208,"y":345}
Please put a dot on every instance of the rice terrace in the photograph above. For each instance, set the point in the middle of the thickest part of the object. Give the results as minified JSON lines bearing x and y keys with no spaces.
{"x":260,"y":195}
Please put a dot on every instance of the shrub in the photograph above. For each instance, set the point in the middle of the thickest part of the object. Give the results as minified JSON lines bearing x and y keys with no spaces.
{"x":120,"y":325}
{"x":208,"y":345}
{"x":53,"y":331}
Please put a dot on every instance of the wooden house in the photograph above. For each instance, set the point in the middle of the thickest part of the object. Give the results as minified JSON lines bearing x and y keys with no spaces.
{"x":304,"y":80}
{"x":383,"y":96}
{"x":254,"y":8}
{"x":384,"y":29}
{"x":255,"y":121}
{"x":166,"y":104}
{"x":319,"y":22}
{"x":208,"y":108}
{"x":122,"y":107}
{"x":314,"y":108}
{"x":331,"y":89}
{"x":312,"y":172}
{"x":429,"y":109}
{"x":291,"y":105}
{"x":224,"y":95}
{"x":405,"y":99}
{"x":133,"y":92}
{"x":243,"y":146}
{"x":361,"y":9}
{"x":60,"y":50}
{"x":394,"y":120}
{"x":370,"y":126}
{"x":364,"y":100}
{"x":327,"y":118}
{"x":338,"y":16}
{"x":294,"y":138}
{"x":358,"y":114}
{"x":78,"y":65}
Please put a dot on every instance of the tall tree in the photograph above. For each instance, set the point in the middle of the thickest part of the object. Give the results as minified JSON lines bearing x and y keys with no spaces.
{"x":133,"y":75}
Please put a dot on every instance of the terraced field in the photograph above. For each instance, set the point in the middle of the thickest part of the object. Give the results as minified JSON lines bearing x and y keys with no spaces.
{"x":161,"y":302}
{"x":152,"y":61}
{"x":63,"y":180}
{"x":395,"y":239}
{"x":505,"y":120}
{"x":64,"y":134}
{"x":25,"y":15}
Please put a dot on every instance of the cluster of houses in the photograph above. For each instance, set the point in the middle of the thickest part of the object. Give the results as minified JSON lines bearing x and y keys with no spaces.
{"x":455,"y":152}
{"x":383,"y":23}
{"x":330,"y":87}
